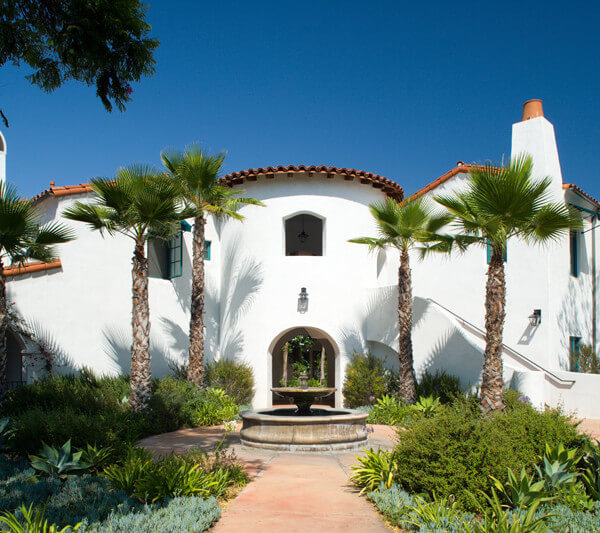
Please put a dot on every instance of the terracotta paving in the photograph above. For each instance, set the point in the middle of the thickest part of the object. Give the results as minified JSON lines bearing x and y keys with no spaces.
{"x":591,"y":426}
{"x":289,"y":492}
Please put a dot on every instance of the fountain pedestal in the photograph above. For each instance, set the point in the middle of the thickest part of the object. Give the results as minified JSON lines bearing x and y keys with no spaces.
{"x":304,"y":429}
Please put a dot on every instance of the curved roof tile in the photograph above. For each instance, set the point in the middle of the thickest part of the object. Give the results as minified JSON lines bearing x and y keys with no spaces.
{"x":389,"y":187}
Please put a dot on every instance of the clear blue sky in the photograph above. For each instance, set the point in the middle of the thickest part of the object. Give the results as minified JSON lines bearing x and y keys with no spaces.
{"x":402,"y":89}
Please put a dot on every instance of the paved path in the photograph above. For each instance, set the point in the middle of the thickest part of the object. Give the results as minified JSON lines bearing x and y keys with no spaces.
{"x":293,"y":493}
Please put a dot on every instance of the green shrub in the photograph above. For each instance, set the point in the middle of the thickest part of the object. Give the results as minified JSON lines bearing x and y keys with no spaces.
{"x":178,"y":515}
{"x":234,"y":377}
{"x":387,"y":410}
{"x":95,"y":411}
{"x":458,"y":450}
{"x":171,"y":476}
{"x":188,"y":405}
{"x":365,"y":381}
{"x":440,"y":385}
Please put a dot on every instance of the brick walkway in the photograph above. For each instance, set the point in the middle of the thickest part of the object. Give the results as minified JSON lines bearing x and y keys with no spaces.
{"x":293,"y":493}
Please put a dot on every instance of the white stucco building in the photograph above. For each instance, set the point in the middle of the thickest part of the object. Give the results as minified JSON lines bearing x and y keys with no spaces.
{"x":80,"y":305}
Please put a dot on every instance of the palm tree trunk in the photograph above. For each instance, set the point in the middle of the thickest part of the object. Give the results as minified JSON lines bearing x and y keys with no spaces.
{"x":196,"y":354}
{"x":3,"y":328}
{"x":405,"y":352}
{"x":492,"y":397}
{"x":141,"y":375}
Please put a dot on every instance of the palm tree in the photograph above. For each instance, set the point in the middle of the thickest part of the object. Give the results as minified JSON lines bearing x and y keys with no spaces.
{"x":404,"y":226}
{"x":139,"y":202}
{"x":502,"y":203}
{"x":22,"y":237}
{"x":197,"y":174}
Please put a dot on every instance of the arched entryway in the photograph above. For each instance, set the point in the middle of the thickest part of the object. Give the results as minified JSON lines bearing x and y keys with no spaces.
{"x":317,"y":356}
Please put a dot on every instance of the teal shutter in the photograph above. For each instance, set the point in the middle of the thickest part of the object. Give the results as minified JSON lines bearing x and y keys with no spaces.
{"x":207,"y":250}
{"x":176,"y":256}
{"x":574,"y":249}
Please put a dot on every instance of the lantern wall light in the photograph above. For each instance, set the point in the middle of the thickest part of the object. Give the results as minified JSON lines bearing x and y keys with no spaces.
{"x":303,"y":301}
{"x":535,"y":319}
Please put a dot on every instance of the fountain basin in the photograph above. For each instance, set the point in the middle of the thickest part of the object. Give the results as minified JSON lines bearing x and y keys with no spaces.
{"x":324,"y":430}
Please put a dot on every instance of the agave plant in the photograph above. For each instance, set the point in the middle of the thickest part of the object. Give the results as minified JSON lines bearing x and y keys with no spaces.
{"x":377,"y":468}
{"x":427,"y":406}
{"x":569,"y":457}
{"x":556,"y":474}
{"x":521,"y":492}
{"x":96,"y":457}
{"x":59,"y":462}
{"x":35,"y":522}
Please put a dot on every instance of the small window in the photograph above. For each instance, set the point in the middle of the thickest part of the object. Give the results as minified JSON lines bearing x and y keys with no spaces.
{"x":574,"y":353}
{"x":489,"y":254}
{"x":304,"y":235}
{"x":165,"y":257}
{"x":175,"y":256}
{"x":207,"y":250}
{"x":574,"y":250}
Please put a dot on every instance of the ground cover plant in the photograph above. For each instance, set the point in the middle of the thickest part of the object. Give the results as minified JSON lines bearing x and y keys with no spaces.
{"x":134,"y":492}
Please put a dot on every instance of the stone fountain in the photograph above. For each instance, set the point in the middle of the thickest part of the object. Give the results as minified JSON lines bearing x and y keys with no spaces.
{"x":304,"y":429}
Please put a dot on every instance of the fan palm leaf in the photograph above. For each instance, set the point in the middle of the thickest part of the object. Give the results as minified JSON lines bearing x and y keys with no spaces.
{"x":405,"y":226}
{"x":22,"y":237}
{"x":139,"y":202}
{"x":501,"y":203}
{"x":196,"y":174}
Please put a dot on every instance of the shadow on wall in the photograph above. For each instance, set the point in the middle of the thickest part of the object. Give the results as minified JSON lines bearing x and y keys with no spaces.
{"x":574,"y":319}
{"x":444,"y":347}
{"x":117,"y":346}
{"x":241,"y":279}
{"x":453,"y":354}
{"x":43,"y":337}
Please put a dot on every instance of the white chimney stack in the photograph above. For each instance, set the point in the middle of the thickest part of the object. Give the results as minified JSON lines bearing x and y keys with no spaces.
{"x":534,"y":135}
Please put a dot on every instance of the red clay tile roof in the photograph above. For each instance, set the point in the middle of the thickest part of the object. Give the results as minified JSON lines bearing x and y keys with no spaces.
{"x":389,"y":187}
{"x":462,"y":168}
{"x":30,"y":268}
{"x":67,"y":190}
{"x":573,"y":187}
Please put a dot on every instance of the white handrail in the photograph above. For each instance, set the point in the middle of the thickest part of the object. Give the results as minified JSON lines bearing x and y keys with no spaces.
{"x":504,"y":346}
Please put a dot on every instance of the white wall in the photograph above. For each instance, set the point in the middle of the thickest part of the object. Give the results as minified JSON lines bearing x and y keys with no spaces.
{"x":84,"y":310}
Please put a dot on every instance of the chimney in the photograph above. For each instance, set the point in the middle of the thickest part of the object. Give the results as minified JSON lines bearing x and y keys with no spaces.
{"x":534,"y":135}
{"x":532,"y":109}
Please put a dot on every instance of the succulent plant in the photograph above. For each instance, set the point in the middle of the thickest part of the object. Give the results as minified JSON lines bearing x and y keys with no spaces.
{"x":59,"y":462}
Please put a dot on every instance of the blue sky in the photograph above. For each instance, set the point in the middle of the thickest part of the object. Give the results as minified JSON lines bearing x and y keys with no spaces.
{"x":400,"y":89}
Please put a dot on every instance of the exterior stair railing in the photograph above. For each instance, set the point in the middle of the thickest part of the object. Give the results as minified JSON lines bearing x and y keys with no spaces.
{"x":514,"y":353}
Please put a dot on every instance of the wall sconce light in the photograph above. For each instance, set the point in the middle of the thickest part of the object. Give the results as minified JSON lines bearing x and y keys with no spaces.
{"x":535,"y":318}
{"x":303,"y":301}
